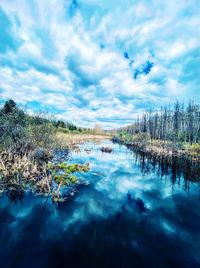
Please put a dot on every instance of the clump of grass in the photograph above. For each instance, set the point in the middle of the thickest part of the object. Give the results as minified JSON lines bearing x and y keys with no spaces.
{"x":85,"y":168}
{"x":73,"y":179}
{"x":22,"y":173}
{"x":68,"y":169}
{"x":15,"y":168}
{"x":44,"y":185}
{"x":194,"y":150}
{"x":71,"y":168}
{"x":60,"y":178}
{"x":50,"y":166}
{"x":62,"y":165}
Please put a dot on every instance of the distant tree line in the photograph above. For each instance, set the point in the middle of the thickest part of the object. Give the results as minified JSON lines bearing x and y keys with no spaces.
{"x":178,"y":123}
{"x":18,"y":127}
{"x":10,"y":107}
{"x":14,"y":119}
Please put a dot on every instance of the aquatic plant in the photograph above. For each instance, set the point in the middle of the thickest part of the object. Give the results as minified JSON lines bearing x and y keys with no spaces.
{"x":71,"y":168}
{"x":85,"y":168}
{"x":50,"y":166}
{"x":65,"y":178}
{"x":26,"y":146}
{"x":62,"y":165}
{"x":56,"y":195}
{"x":58,"y":178}
{"x":73,"y":179}
{"x":44,"y":185}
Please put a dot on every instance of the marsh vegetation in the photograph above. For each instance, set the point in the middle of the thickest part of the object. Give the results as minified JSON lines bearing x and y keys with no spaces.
{"x":140,"y":207}
{"x":78,"y":194}
{"x":27,"y":144}
{"x":170,"y":131}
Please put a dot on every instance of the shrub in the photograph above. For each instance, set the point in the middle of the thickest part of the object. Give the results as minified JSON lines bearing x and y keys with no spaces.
{"x":12,"y":126}
{"x":75,"y":132}
{"x":142,"y":137}
{"x":42,"y":135}
{"x":73,"y":179}
{"x":194,"y":149}
{"x":116,"y":139}
{"x":64,"y":130}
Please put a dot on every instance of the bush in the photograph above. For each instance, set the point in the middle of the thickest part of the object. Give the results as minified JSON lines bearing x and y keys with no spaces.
{"x":64,"y":130}
{"x":41,"y":135}
{"x":142,"y":137}
{"x":194,"y":149}
{"x":75,"y":132}
{"x":12,"y":126}
{"x":20,"y":132}
{"x":116,"y":139}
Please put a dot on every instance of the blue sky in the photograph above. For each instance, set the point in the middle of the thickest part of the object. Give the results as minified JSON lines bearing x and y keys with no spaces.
{"x":97,"y":61}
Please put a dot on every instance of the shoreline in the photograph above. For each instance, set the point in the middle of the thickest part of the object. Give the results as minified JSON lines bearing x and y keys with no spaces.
{"x":37,"y":171}
{"x":161,"y":149}
{"x":71,"y":140}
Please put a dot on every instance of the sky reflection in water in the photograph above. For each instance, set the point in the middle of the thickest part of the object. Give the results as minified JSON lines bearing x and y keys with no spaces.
{"x":123,"y":218}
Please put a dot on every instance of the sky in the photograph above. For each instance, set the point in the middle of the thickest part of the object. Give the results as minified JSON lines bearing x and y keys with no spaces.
{"x":98,"y":61}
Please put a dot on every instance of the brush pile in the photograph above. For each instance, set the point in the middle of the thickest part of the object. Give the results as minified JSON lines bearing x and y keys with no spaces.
{"x":106,"y":149}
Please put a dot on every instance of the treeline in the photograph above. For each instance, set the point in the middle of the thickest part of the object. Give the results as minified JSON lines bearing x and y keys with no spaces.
{"x":67,"y":125}
{"x":178,"y":123}
{"x":21,"y":131}
{"x":10,"y":107}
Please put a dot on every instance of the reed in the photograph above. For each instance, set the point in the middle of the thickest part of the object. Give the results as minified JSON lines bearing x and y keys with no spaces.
{"x":26,"y":147}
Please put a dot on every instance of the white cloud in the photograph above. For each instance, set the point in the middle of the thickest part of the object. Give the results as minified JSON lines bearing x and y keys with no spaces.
{"x":76,"y":62}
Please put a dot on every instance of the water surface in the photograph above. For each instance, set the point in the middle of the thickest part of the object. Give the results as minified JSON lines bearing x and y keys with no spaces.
{"x":133,"y":213}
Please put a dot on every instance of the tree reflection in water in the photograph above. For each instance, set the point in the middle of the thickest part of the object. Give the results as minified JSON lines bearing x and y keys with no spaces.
{"x":170,"y":166}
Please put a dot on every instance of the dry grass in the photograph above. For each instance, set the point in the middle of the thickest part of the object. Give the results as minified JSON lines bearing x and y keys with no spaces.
{"x":194,"y":150}
{"x":167,"y":148}
{"x":14,"y":168}
{"x":71,"y":140}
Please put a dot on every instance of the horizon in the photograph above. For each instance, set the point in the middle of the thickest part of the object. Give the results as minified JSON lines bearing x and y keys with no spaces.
{"x":99,"y":63}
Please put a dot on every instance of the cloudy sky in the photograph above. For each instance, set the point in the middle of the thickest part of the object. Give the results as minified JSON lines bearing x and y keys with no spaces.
{"x":99,"y":61}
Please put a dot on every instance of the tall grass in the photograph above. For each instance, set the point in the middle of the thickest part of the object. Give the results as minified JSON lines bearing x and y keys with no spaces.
{"x":26,"y":145}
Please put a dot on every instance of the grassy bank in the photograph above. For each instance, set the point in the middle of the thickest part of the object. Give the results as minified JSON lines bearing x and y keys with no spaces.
{"x":72,"y":140}
{"x":145,"y":144}
{"x":27,"y":144}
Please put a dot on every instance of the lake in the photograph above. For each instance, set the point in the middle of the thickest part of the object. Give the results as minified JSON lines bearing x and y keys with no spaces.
{"x":131,"y":212}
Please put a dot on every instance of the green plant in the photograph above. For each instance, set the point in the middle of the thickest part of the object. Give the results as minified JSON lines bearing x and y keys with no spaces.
{"x":73,"y":179}
{"x":64,"y":130}
{"x":50,"y":166}
{"x":141,"y":137}
{"x":62,"y":165}
{"x":85,"y":168}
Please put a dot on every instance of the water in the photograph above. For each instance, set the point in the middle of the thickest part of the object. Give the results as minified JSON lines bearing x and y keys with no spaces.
{"x":134,"y":212}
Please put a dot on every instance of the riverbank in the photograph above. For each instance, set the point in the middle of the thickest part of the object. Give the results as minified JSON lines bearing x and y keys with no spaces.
{"x":37,"y":171}
{"x":72,"y":140}
{"x":162,"y":148}
{"x":127,"y":200}
{"x":28,"y":144}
